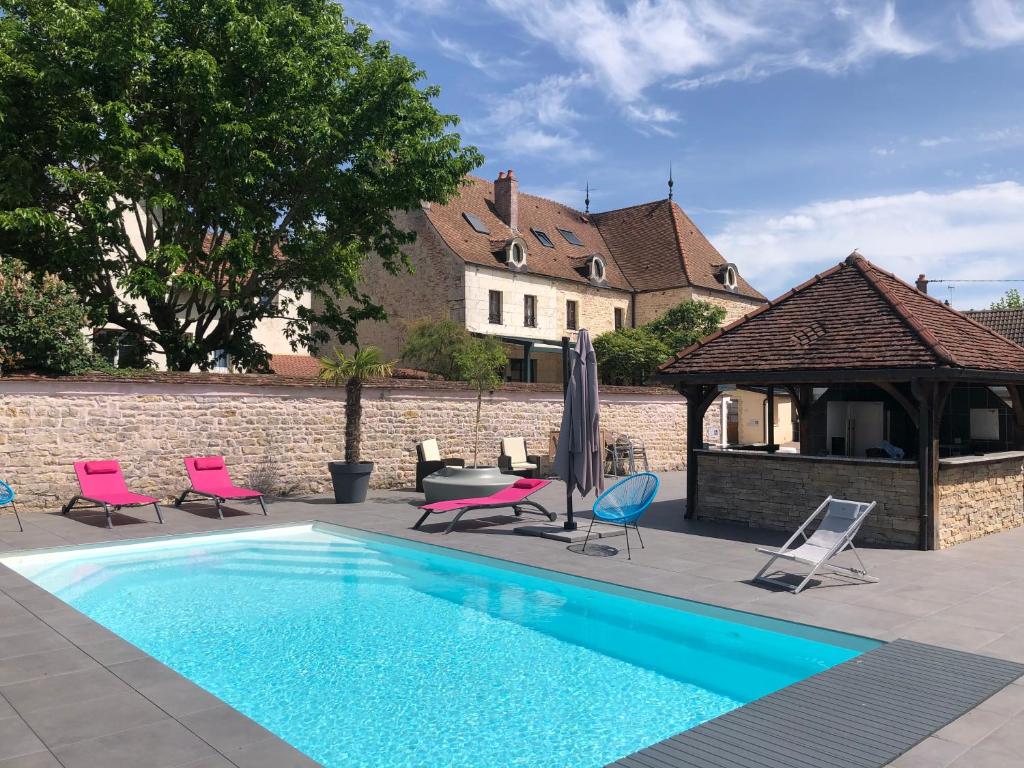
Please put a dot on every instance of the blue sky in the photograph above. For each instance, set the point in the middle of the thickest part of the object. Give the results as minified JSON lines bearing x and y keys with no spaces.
{"x":797,"y":129}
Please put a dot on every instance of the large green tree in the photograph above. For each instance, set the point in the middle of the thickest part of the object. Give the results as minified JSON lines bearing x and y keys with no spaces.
{"x":632,"y":355}
{"x":259,"y":147}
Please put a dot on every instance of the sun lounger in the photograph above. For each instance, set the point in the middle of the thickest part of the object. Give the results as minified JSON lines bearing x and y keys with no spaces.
{"x":210,"y":479}
{"x":834,"y":534}
{"x":515,"y":496}
{"x":103,"y":487}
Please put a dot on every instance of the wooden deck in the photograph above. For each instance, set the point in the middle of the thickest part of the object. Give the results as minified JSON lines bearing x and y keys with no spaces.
{"x":863,"y":713}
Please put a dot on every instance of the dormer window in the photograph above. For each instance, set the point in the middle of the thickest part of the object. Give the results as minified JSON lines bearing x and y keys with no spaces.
{"x":515,"y":253}
{"x":597,"y":269}
{"x":728,"y":276}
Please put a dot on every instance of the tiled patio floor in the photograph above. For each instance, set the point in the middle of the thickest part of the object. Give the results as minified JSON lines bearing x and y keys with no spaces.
{"x":74,"y":695}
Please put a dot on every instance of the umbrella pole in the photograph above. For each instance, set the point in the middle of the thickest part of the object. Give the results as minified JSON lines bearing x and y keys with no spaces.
{"x":570,"y":523}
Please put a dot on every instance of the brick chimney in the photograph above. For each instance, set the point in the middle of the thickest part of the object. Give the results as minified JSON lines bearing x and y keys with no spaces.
{"x":506,"y":198}
{"x":922,"y":284}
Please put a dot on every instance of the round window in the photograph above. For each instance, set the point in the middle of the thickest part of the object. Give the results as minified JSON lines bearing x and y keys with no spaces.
{"x":516,"y":254}
{"x":730,"y":278}
{"x":597,"y":270}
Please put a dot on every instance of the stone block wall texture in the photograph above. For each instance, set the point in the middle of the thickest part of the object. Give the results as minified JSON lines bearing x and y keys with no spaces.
{"x":781,"y":491}
{"x":975,"y":500}
{"x":286,"y":433}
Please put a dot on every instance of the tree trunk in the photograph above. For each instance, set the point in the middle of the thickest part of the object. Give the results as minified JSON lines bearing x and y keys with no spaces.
{"x":476,"y":431}
{"x":353,"y":419}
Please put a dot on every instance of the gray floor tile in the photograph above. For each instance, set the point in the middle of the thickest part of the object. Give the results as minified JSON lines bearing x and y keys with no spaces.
{"x":157,"y":745}
{"x":17,"y":739}
{"x":930,"y":753}
{"x":1009,"y":701}
{"x":225,"y":729}
{"x":47,"y":664}
{"x":973,"y":727}
{"x":35,"y":760}
{"x":36,"y":641}
{"x":272,"y":753}
{"x":79,"y":720}
{"x":60,"y":689}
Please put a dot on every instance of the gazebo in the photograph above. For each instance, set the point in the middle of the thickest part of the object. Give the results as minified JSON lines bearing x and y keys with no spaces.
{"x":899,"y":397}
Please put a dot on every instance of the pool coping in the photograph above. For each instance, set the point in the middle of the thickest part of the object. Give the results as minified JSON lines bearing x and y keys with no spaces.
{"x":261,"y":748}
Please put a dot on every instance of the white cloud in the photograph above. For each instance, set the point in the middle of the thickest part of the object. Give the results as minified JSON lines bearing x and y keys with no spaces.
{"x":935,"y":142}
{"x":883,"y":151}
{"x":535,"y":119}
{"x":693,"y":43}
{"x":995,"y":23}
{"x":972,"y":232}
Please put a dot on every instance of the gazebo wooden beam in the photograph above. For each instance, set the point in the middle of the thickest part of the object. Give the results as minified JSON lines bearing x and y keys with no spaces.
{"x":910,"y":407}
{"x":699,"y":398}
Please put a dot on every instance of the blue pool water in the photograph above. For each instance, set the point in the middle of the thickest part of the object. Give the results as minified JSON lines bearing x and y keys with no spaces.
{"x":362,"y":650}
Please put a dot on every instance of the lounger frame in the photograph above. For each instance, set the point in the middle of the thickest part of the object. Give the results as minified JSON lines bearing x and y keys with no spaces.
{"x":517,"y":506}
{"x":108,"y":509}
{"x":217,"y":500}
{"x":844,"y":542}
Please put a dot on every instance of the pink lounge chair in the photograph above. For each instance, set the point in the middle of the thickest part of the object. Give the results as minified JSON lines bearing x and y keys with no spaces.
{"x":515,"y":496}
{"x":103,"y":486}
{"x":210,"y":479}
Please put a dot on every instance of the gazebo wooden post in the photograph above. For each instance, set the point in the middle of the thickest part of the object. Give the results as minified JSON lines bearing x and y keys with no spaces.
{"x":699,"y":398}
{"x":770,"y":418}
{"x":1018,"y":413}
{"x":931,"y":401}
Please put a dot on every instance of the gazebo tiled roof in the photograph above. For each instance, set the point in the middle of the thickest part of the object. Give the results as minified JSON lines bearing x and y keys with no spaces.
{"x":854,"y":317}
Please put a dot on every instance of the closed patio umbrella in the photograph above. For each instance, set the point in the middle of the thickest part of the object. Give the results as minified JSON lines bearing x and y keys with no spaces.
{"x":578,"y":460}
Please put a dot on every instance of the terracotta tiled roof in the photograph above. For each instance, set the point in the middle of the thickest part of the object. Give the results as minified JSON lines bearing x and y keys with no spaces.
{"x":646,"y":247}
{"x":477,"y":197}
{"x":855,"y":316}
{"x":657,"y":246}
{"x":1007,"y":322}
{"x":294,"y":365}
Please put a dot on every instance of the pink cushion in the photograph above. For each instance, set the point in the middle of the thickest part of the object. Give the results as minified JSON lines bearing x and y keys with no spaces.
{"x":528,"y":482}
{"x":101,"y":468}
{"x":209,"y":462}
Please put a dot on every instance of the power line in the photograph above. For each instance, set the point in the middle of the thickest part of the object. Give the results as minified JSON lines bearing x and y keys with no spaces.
{"x":978,"y":280}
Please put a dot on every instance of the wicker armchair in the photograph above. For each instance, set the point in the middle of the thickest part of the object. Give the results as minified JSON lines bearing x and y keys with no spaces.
{"x":514,"y":460}
{"x":428,"y":461}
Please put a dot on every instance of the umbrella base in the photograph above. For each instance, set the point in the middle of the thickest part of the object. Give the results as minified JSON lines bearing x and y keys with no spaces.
{"x":558,"y":533}
{"x":593,"y":550}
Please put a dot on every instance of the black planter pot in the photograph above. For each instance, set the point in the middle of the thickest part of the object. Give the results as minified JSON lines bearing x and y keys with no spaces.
{"x":350,"y":481}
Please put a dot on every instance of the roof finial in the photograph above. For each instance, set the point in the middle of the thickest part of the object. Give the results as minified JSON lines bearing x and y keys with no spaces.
{"x":586,"y":200}
{"x":670,"y":182}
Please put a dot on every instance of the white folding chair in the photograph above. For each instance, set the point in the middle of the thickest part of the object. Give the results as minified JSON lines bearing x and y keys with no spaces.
{"x":834,"y":534}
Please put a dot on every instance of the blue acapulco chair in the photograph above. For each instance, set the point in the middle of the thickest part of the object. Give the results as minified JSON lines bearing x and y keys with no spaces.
{"x":7,"y":497}
{"x":623,"y":503}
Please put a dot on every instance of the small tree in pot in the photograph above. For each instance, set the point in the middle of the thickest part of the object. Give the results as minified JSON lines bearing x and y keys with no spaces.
{"x":481,"y":363}
{"x":351,"y":478}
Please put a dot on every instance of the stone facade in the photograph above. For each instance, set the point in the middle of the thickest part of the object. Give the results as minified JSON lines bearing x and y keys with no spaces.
{"x":435,"y":289}
{"x":978,"y":498}
{"x":780,"y":491}
{"x":651,"y":305}
{"x":284,"y":433}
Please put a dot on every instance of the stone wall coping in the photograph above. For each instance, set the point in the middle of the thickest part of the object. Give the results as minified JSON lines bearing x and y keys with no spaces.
{"x":175,"y":379}
{"x":780,"y":456}
{"x":988,"y":458}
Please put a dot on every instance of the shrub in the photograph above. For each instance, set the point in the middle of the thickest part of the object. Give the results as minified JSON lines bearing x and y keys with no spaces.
{"x":41,"y":322}
{"x":629,"y":355}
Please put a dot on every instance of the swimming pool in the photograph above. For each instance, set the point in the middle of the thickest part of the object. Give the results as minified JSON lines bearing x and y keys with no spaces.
{"x":365,"y":650}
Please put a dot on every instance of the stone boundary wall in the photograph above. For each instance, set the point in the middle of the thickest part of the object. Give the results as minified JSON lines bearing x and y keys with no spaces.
{"x":979,"y":498}
{"x":780,"y":491}
{"x":285,"y":433}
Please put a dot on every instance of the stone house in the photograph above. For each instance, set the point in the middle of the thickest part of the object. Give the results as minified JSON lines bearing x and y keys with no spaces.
{"x":530,"y":271}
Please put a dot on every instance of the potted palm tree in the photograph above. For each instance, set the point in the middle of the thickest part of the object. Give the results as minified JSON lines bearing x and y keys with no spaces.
{"x":351,"y":477}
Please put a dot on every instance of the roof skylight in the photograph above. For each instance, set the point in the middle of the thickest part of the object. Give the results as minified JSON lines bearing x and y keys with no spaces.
{"x":543,"y":238}
{"x":570,"y":236}
{"x":476,"y":223}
